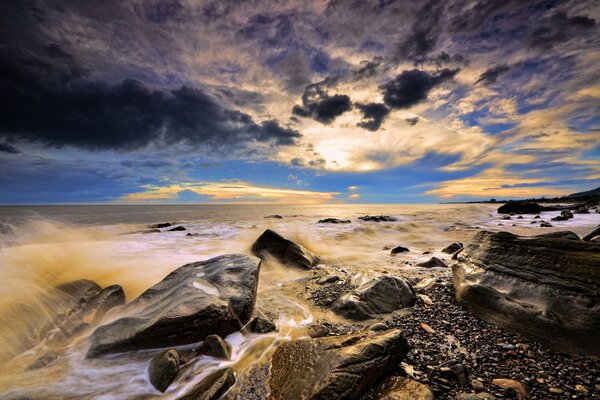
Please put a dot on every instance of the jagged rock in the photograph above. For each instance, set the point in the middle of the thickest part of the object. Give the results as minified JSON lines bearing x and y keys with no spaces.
{"x":433,"y":262}
{"x":398,"y":249}
{"x":521,"y":207}
{"x":382,"y":295}
{"x":163,"y":369}
{"x":334,"y":221}
{"x":270,"y":243}
{"x":543,"y":287}
{"x":402,"y":388}
{"x":452,"y":248}
{"x":261,"y":325}
{"x":212,"y":387}
{"x":378,"y":218}
{"x":334,"y":367}
{"x":178,"y":229}
{"x":216,"y":296}
{"x":214,"y":346}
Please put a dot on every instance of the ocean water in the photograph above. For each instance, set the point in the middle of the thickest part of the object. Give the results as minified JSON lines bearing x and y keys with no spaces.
{"x":41,"y":247}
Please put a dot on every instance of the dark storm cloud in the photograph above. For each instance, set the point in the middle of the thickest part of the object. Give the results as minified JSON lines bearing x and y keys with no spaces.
{"x":413,"y":86}
{"x":467,"y":18}
{"x":412,"y":121}
{"x":559,"y":28}
{"x":490,"y":76}
{"x":57,"y":103}
{"x":319,"y":105}
{"x":373,"y":115}
{"x":7,"y":148}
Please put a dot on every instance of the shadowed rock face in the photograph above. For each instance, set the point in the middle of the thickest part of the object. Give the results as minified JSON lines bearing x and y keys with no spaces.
{"x":270,"y":243}
{"x":543,"y":287}
{"x":380,"y":296}
{"x":216,"y":296}
{"x":336,"y":367}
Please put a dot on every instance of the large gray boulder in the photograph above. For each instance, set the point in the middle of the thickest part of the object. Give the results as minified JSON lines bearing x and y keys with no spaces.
{"x":544,"y":287}
{"x":382,"y":295}
{"x":334,"y":367}
{"x":216,"y":296}
{"x":287,"y":252}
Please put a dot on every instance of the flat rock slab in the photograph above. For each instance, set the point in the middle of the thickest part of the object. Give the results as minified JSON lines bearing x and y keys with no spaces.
{"x":216,"y":296}
{"x":544,"y":287}
{"x":335,"y":367}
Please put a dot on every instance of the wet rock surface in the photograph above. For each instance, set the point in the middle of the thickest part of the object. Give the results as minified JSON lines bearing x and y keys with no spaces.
{"x":342,"y":367}
{"x":334,"y":221}
{"x":212,"y":387}
{"x":380,"y":296}
{"x":192,"y":302}
{"x":214,"y":346}
{"x":402,"y":388}
{"x":378,"y":218}
{"x":163,"y":369}
{"x":544,"y":287}
{"x":287,"y":252}
{"x":261,"y":325}
{"x":433,"y":262}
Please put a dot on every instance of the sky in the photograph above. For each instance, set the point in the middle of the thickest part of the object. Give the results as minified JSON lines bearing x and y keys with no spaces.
{"x":304,"y":102}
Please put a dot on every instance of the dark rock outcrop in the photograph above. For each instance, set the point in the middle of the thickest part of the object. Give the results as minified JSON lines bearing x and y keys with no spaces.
{"x":214,"y":346}
{"x":212,"y":387}
{"x":399,"y":249}
{"x":452,"y":248}
{"x":378,"y":218}
{"x":179,"y":228}
{"x":433,"y":262}
{"x":274,"y":216}
{"x":382,"y":295}
{"x":334,"y":221}
{"x":335,"y":367}
{"x":261,"y":325}
{"x":543,"y":287}
{"x":161,"y":225}
{"x":521,"y":207}
{"x":216,"y":296}
{"x":287,"y":252}
{"x":594,"y":233}
{"x":163,"y":369}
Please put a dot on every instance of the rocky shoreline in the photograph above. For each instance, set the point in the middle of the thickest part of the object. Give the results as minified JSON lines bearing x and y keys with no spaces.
{"x":481,"y":329}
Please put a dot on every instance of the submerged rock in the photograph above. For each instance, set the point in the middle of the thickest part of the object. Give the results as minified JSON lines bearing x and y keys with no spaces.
{"x":378,"y":218}
{"x":163,"y":369}
{"x":178,"y":229}
{"x":214,"y":346}
{"x":261,"y":325}
{"x":399,"y":249}
{"x":382,"y":295}
{"x":543,"y":287}
{"x":521,"y":207}
{"x":433,"y":262}
{"x":402,"y":388}
{"x":161,"y":225}
{"x":335,"y":367}
{"x":334,"y":221}
{"x":212,"y":387}
{"x":274,"y":216}
{"x":216,"y":296}
{"x":270,"y":243}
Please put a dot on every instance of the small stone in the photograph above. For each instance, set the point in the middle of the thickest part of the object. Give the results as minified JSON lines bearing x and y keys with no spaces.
{"x":163,"y":369}
{"x":555,"y":390}
{"x":519,"y":388}
{"x":582,"y":389}
{"x":427,"y":328}
{"x":477,"y":385}
{"x":214,"y":346}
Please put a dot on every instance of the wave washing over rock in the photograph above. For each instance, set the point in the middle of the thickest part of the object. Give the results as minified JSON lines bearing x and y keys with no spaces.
{"x":117,"y":305}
